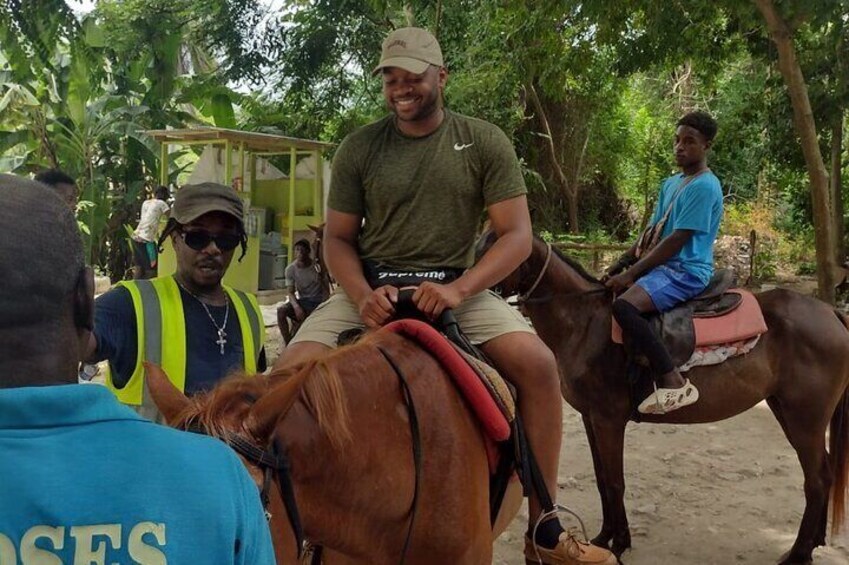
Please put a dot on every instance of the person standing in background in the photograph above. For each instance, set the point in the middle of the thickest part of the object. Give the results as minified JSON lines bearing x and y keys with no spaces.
{"x":144,"y":238}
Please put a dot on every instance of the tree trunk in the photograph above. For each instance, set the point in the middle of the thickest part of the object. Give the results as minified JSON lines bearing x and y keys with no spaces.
{"x":569,"y":192}
{"x":837,"y":185}
{"x":803,"y":121}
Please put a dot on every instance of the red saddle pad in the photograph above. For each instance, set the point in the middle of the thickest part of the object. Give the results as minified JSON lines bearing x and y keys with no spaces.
{"x":467,"y":381}
{"x":744,"y":322}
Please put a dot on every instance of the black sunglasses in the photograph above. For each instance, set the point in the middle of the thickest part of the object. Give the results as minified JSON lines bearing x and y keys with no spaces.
{"x":200,"y":240}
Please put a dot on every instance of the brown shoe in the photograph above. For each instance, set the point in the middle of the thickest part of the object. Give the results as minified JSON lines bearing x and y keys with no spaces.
{"x":569,"y":551}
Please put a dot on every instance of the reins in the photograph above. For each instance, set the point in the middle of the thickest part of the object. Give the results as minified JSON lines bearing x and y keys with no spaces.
{"x":274,"y":460}
{"x":548,"y":297}
{"x":525,"y":298}
{"x":417,"y":448}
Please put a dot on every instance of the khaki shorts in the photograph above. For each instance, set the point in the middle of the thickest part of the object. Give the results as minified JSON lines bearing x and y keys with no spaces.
{"x":482,"y":317}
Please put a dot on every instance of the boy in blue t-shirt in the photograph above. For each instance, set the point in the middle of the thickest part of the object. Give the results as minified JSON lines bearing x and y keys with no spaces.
{"x":658,"y":273}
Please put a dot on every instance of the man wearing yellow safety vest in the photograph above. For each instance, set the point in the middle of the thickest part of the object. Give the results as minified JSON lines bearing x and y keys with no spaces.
{"x":197,"y":329}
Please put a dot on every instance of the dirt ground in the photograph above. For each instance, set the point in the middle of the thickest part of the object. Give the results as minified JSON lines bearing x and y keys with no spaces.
{"x":708,"y":494}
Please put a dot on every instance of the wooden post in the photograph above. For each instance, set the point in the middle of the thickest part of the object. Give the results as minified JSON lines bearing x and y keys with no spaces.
{"x":318,"y":196}
{"x":290,"y":229}
{"x":163,"y":163}
{"x":753,"y":240}
{"x":228,"y":163}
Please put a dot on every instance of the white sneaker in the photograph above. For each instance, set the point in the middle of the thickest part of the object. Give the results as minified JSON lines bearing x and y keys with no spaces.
{"x":665,"y":400}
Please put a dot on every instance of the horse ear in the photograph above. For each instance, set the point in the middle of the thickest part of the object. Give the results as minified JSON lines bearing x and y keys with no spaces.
{"x":264,"y":414}
{"x":168,"y":398}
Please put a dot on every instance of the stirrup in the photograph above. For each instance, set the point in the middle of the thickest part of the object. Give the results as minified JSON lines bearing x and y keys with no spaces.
{"x":553,"y":512}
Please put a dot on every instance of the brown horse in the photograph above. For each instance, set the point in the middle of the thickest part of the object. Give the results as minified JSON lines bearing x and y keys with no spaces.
{"x":800,"y":367}
{"x":344,"y":426}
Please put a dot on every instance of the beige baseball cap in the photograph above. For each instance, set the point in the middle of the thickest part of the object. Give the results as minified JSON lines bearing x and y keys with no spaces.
{"x":410,"y":48}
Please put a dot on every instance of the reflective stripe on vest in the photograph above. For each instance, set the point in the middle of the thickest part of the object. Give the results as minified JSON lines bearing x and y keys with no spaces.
{"x":251,"y":324}
{"x":159,"y":299}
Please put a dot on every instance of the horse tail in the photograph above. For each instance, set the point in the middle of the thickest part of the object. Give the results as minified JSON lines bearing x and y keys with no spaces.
{"x":838,"y":450}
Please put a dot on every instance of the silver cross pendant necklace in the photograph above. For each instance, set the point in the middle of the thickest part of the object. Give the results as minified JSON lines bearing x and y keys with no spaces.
{"x":222,"y":335}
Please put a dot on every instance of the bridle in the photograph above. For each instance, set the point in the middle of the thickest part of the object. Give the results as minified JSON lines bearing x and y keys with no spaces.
{"x":317,"y":260}
{"x":270,"y":461}
{"x":525,"y":296}
{"x":273,"y":460}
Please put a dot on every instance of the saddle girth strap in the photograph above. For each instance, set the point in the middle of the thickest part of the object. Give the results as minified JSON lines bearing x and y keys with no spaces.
{"x":417,"y":447}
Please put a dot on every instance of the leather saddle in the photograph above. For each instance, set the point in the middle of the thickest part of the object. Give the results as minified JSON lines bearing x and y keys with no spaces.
{"x":716,"y":306}
{"x":468,"y":363}
{"x":676,"y":327}
{"x":721,"y":314}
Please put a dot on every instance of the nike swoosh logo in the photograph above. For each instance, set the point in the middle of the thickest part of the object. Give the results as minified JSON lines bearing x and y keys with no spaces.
{"x":460,"y":146}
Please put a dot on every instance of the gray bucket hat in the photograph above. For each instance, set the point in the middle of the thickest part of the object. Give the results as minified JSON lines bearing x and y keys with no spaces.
{"x":194,"y":200}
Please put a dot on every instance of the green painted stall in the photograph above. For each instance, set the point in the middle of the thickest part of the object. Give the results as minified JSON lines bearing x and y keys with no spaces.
{"x":285,"y":206}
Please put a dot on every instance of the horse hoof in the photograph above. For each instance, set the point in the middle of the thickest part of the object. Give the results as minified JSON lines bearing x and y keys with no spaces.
{"x":620,"y":547}
{"x":621,"y":544}
{"x":790,"y":559}
{"x":602,"y":540}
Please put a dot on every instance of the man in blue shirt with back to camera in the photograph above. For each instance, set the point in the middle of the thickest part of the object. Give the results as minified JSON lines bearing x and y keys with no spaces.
{"x":673,"y":261}
{"x":83,"y":478}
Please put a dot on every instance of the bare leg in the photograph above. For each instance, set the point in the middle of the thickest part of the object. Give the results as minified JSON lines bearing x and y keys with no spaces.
{"x":283,"y":325}
{"x":529,"y":364}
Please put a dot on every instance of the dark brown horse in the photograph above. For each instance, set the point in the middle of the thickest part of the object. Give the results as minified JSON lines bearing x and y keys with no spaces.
{"x":344,"y":425}
{"x":800,"y":367}
{"x":327,"y":282}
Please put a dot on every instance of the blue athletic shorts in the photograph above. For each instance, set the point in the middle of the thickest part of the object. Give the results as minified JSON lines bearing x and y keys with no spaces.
{"x":669,"y":287}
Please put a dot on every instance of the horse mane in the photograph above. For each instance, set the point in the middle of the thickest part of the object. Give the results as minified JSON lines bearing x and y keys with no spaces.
{"x":316,"y":382}
{"x":324,"y":397}
{"x":205,"y":411}
{"x":575,"y":266}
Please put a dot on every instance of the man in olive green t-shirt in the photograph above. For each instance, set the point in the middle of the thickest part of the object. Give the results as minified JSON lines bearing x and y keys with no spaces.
{"x":407,"y":193}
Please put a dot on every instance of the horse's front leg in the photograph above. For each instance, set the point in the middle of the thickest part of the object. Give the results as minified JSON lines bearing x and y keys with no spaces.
{"x":607,"y":440}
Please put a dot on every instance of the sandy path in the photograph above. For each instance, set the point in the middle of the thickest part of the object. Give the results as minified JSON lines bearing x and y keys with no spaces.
{"x":709,"y":494}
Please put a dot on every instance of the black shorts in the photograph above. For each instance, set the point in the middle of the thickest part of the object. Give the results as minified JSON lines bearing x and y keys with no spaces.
{"x":140,"y":256}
